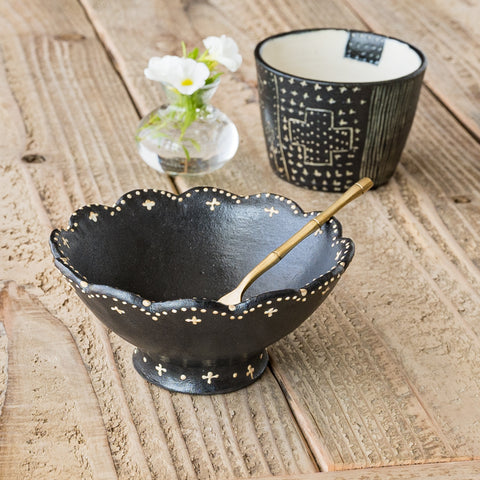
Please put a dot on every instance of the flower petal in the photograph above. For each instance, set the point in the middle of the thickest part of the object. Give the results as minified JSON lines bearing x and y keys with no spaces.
{"x":192,"y":76}
{"x":159,"y":68}
{"x":224,"y":50}
{"x":184,"y":74}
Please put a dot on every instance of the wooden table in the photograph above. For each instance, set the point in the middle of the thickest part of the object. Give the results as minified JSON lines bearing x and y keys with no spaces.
{"x":385,"y":374}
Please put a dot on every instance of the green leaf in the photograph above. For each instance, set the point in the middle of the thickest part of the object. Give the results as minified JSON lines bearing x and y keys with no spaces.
{"x":186,"y":152}
{"x":212,"y":79}
{"x":193,"y":54}
{"x":195,"y":144}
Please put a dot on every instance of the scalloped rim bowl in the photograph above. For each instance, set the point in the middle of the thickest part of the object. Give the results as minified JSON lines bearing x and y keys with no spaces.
{"x":152,"y":266}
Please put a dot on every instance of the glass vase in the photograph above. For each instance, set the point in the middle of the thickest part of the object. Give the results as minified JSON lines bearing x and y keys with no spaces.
{"x":187,"y":135}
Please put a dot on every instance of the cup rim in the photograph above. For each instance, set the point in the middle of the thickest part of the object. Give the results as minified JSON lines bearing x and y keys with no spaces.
{"x":415,"y":73}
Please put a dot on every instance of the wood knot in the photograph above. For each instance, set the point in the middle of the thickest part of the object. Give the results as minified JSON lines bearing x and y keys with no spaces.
{"x":70,"y":37}
{"x":461,"y":199}
{"x":33,"y":158}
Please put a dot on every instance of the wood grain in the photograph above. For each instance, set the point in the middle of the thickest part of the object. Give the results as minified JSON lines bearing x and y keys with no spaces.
{"x":449,"y":471}
{"x":425,"y":317}
{"x":51,"y":425}
{"x":241,"y":434}
{"x":77,"y":127}
{"x":385,"y":373}
{"x":364,"y":389}
{"x":48,"y":88}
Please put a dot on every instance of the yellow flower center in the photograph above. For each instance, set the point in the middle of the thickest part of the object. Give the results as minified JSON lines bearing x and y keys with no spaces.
{"x":187,"y":82}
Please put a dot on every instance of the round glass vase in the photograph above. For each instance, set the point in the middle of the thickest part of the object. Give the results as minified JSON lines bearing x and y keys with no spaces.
{"x":187,"y":136}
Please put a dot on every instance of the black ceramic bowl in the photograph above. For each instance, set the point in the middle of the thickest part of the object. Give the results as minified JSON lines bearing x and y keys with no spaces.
{"x":152,"y":267}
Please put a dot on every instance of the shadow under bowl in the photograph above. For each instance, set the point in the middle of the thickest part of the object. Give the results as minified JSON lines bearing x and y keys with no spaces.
{"x":152,"y":266}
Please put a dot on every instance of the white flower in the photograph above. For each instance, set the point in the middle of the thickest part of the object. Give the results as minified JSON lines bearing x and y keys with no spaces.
{"x":224,"y":50}
{"x":184,"y":74}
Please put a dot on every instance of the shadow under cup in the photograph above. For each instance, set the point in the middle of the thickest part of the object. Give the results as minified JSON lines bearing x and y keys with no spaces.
{"x":337,"y":105}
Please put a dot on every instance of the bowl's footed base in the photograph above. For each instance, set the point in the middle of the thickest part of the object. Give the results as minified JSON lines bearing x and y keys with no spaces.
{"x":205,"y":379}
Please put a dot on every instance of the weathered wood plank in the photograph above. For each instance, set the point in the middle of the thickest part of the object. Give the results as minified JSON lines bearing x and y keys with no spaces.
{"x":81,"y":126}
{"x":37,"y":195}
{"x":241,"y":434}
{"x":421,"y":326}
{"x":352,"y":372}
{"x":51,"y":425}
{"x":446,"y":471}
{"x":164,"y":25}
{"x":448,"y":33}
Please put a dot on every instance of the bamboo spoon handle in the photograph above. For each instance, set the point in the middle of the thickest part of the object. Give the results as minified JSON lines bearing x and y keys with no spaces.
{"x":235,"y":296}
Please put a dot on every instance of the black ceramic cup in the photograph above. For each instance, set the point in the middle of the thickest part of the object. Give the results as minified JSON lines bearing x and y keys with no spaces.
{"x":337,"y":105}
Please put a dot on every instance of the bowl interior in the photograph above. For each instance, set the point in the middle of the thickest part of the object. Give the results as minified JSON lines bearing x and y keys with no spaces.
{"x":184,"y":249}
{"x":321,"y":55}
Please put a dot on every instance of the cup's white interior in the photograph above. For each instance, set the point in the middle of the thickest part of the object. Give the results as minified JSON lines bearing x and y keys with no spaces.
{"x":320,"y":55}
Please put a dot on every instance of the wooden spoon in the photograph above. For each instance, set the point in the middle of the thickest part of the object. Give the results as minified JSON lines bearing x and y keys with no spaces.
{"x":235,"y":296}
